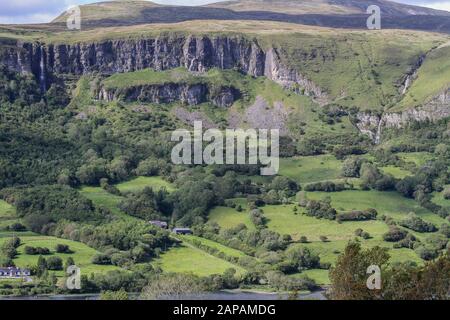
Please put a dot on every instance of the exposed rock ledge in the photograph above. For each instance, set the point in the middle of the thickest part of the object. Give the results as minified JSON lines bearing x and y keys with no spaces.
{"x":196,"y":53}
{"x":188,"y":94}
{"x":373,"y":124}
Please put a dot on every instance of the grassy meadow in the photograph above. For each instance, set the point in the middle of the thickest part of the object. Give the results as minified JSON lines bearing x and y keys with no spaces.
{"x":188,"y":259}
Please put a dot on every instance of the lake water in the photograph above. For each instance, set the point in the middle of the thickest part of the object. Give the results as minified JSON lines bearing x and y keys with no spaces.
{"x":222,"y":295}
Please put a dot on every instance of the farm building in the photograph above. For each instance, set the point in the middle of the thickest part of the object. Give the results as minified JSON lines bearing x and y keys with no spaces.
{"x":12,"y":272}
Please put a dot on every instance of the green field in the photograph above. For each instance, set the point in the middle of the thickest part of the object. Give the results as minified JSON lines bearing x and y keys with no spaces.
{"x":418,"y":158}
{"x":212,"y":244}
{"x":229,"y":217}
{"x":438,"y":198}
{"x":311,"y":169}
{"x":82,"y":254}
{"x":386,"y":203}
{"x":7,"y":214}
{"x":102,"y":198}
{"x":140,"y":183}
{"x":397,"y":172}
{"x":188,"y":259}
{"x":283,"y":220}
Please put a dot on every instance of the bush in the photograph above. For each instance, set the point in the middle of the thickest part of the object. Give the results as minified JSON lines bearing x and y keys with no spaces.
{"x":325,"y":186}
{"x":365,"y":235}
{"x":427,"y":253}
{"x":321,"y":209}
{"x":415,"y":223}
{"x":323,"y":238}
{"x":101,"y":259}
{"x":63,"y":248}
{"x":54,"y":263}
{"x":303,"y":239}
{"x":351,"y":167}
{"x":16,"y":227}
{"x":369,"y":214}
{"x":395,"y":234}
{"x":37,"y":251}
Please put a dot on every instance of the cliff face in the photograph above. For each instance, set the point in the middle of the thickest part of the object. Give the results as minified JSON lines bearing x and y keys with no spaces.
{"x":196,"y":53}
{"x":188,"y":94}
{"x":434,"y":110}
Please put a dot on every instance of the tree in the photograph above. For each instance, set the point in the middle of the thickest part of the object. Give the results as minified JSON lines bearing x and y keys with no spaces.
{"x":62,"y":248}
{"x":101,"y":259}
{"x":349,"y":275}
{"x":69,"y":262}
{"x":41,"y":267}
{"x":351,"y":167}
{"x":173,"y":287}
{"x":54,"y":263}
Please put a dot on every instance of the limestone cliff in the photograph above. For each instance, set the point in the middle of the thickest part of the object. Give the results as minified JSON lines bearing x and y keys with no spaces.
{"x":196,"y":53}
{"x":435,"y":109}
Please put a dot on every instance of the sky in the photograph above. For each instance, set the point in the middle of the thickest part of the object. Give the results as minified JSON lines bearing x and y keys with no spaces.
{"x":37,"y":11}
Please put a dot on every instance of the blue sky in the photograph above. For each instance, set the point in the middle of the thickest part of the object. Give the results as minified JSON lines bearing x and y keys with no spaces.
{"x":34,"y":11}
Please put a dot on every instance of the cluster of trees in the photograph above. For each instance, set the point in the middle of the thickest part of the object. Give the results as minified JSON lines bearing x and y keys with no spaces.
{"x":401,"y":281}
{"x":42,"y":207}
{"x":355,"y":215}
{"x":148,"y":204}
{"x":321,"y":209}
{"x":8,"y":251}
{"x":326,"y":186}
{"x":415,"y":223}
{"x":37,"y":251}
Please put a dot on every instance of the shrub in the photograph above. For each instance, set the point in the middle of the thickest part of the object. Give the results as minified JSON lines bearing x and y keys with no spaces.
{"x":415,"y":223}
{"x":395,"y":234}
{"x":54,"y":263}
{"x":427,"y":253}
{"x":351,"y":167}
{"x":101,"y":259}
{"x":303,"y":239}
{"x":323,"y":238}
{"x":321,"y":209}
{"x":369,"y":214}
{"x":365,"y":235}
{"x":17,"y":227}
{"x":325,"y":186}
{"x":37,"y":251}
{"x":409,"y":242}
{"x":63,"y":248}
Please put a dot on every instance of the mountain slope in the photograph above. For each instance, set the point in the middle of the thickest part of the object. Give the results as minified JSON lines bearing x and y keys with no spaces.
{"x":326,"y":7}
{"x":329,"y":13}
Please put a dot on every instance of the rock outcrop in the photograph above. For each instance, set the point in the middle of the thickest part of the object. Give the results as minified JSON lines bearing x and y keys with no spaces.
{"x":435,"y":109}
{"x":188,"y":94}
{"x":196,"y":53}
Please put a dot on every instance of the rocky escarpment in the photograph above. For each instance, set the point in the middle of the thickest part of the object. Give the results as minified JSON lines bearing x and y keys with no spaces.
{"x":188,"y":94}
{"x":196,"y":53}
{"x":435,"y":109}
